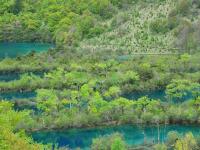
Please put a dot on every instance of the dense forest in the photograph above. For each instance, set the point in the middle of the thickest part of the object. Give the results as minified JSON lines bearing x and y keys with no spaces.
{"x":108,"y":59}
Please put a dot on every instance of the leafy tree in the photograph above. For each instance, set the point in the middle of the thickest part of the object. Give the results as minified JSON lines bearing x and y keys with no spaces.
{"x":160,"y":147}
{"x":186,"y":143}
{"x":185,"y":59}
{"x":113,"y":92}
{"x":11,"y":137}
{"x":131,"y":77}
{"x":145,"y":71}
{"x":48,"y":101}
{"x":118,"y":144}
{"x":17,"y":6}
{"x":96,"y":104}
{"x":178,"y":89}
{"x":195,"y":89}
{"x":111,"y":142}
{"x":121,"y":105}
{"x":56,"y":77}
{"x":172,"y":137}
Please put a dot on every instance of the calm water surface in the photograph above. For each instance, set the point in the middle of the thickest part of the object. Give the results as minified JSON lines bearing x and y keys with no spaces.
{"x":16,"y":76}
{"x":17,"y":49}
{"x":157,"y":94}
{"x":17,"y":95}
{"x":133,"y":135}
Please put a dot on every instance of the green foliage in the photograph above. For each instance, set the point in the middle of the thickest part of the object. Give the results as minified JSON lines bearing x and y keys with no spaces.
{"x":11,"y":138}
{"x":118,"y":144}
{"x":63,"y":22}
{"x":172,"y":138}
{"x":160,"y":147}
{"x":185,"y":58}
{"x":119,"y":20}
{"x":48,"y":101}
{"x":178,"y":89}
{"x":111,"y":142}
{"x":183,"y":6}
{"x":83,"y":85}
{"x":85,"y":91}
{"x":160,"y":26}
{"x":186,"y":143}
{"x":113,"y":92}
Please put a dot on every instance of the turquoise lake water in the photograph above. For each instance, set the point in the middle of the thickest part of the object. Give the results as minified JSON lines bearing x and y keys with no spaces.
{"x":17,"y":95}
{"x":131,"y":96}
{"x":133,"y":135}
{"x":157,"y":94}
{"x":17,"y":49}
{"x":16,"y":76}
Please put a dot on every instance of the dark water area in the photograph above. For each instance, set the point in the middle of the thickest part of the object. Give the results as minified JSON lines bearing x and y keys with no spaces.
{"x":9,"y":77}
{"x":157,"y":94}
{"x":16,"y":76}
{"x":16,"y":49}
{"x":17,"y":95}
{"x":133,"y":135}
{"x":123,"y":58}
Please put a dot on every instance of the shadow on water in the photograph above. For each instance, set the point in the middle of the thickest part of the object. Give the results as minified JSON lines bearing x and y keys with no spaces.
{"x":133,"y":135}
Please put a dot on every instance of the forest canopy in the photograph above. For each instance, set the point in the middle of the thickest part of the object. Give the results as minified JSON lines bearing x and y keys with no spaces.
{"x":54,"y":20}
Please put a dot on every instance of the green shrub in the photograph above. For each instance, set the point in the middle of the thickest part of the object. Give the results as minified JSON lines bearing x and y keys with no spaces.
{"x":111,"y":142}
{"x":95,"y":31}
{"x":171,"y":138}
{"x":160,"y":147}
{"x":159,"y":26}
{"x":173,"y":22}
{"x":119,"y":20}
{"x":197,"y":3}
{"x":183,"y":6}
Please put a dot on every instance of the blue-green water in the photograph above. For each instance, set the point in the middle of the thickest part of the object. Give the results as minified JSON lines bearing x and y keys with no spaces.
{"x":133,"y":135}
{"x":16,"y":76}
{"x":9,"y":77}
{"x":17,"y":49}
{"x":132,"y":96}
{"x":157,"y":94}
{"x":17,"y":95}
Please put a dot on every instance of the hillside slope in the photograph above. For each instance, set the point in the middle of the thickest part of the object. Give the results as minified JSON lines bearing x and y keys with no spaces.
{"x":130,"y":31}
{"x":151,"y":27}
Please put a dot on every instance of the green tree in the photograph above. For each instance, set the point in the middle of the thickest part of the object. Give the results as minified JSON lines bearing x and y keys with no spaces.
{"x":178,"y":89}
{"x":112,"y":142}
{"x":48,"y":101}
{"x":113,"y":92}
{"x":11,"y":125}
{"x":185,"y":59}
{"x":160,"y":147}
{"x":16,"y":6}
{"x":186,"y":143}
{"x":118,"y":144}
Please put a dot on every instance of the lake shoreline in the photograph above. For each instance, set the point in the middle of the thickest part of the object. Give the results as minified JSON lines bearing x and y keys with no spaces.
{"x":109,"y":125}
